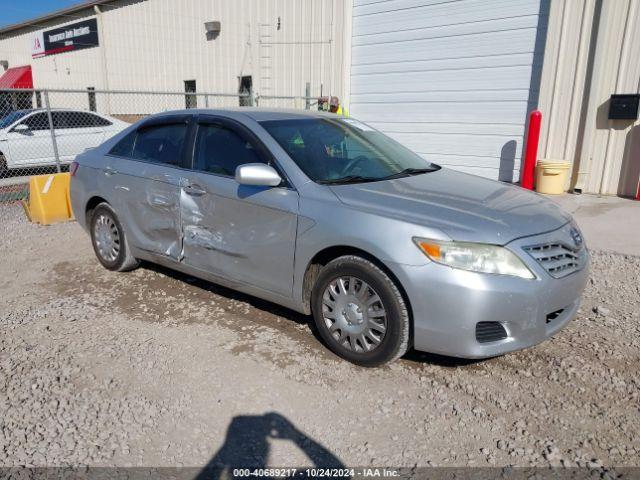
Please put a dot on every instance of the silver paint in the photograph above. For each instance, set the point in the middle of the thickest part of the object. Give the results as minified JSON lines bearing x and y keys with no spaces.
{"x":261,"y":239}
{"x":257,"y":174}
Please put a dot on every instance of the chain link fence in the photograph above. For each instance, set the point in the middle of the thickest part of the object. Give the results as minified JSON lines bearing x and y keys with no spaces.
{"x":42,"y":131}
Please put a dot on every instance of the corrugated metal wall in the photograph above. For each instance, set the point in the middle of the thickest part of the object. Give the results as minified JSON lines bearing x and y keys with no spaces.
{"x":158,"y":44}
{"x":452,"y":80}
{"x":592,"y":51}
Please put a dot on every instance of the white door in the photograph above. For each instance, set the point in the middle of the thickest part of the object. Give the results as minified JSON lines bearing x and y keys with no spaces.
{"x":453,"y":81}
{"x":32,"y":146}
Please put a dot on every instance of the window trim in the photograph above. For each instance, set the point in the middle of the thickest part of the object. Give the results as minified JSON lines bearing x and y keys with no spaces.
{"x":244,"y":132}
{"x":164,"y":120}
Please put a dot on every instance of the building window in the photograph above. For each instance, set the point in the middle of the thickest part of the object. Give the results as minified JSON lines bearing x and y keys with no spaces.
{"x":190,"y":101}
{"x":245,"y":89}
{"x":91,"y":91}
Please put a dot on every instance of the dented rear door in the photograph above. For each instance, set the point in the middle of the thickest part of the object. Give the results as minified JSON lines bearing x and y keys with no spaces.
{"x":144,"y":178}
{"x":149,"y":195}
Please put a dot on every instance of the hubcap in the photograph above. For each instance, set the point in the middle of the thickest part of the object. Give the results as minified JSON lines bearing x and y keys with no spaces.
{"x":107,"y":238}
{"x":354,"y":314}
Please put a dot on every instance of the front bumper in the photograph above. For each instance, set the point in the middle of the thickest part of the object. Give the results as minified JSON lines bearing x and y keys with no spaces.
{"x":447,"y":303}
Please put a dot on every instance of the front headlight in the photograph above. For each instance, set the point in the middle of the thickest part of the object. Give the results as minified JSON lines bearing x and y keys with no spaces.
{"x":475,"y":257}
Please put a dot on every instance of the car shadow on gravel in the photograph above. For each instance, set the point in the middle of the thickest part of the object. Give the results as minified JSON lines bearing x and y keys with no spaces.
{"x":267,"y":311}
{"x":418,"y":358}
{"x":247,"y":445}
{"x":230,"y":294}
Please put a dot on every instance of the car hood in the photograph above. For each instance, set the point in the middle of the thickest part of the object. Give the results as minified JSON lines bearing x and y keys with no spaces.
{"x":465,"y":207}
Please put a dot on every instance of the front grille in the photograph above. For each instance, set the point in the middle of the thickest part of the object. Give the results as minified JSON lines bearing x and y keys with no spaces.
{"x":555,"y":258}
{"x":490,"y":332}
{"x":553,"y":315}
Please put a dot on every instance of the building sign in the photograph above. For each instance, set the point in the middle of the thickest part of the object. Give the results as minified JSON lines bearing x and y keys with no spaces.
{"x":65,"y":39}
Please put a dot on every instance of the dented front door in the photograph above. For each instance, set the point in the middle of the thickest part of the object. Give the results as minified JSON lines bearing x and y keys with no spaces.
{"x":242,"y":233}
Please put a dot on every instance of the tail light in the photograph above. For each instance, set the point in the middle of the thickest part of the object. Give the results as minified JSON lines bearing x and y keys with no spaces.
{"x":73,"y":168}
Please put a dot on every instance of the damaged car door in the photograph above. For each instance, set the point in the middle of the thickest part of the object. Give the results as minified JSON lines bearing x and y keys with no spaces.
{"x":243,"y":233}
{"x":143,"y":173}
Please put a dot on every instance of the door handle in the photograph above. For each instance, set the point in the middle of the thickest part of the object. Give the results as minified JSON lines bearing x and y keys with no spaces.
{"x":108,"y":171}
{"x":194,"y":189}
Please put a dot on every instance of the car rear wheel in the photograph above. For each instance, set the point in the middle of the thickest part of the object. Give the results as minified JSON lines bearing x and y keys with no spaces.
{"x":4,"y":168}
{"x":109,"y":241}
{"x":359,"y":312}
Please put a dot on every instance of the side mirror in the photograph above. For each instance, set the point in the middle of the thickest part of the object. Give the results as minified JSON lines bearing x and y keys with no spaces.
{"x":22,"y":128}
{"x":257,"y":174}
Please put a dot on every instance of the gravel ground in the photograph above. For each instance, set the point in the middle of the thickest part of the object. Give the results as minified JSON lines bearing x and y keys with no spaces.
{"x":156,"y":368}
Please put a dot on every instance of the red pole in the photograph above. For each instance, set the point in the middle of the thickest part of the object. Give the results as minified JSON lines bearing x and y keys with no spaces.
{"x":531,"y":155}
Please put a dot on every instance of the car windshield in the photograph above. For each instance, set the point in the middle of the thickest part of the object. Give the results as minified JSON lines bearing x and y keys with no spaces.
{"x":344,"y":150}
{"x":12,"y":117}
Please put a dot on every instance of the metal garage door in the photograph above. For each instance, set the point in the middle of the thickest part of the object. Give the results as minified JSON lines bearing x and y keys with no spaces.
{"x":453,"y":80}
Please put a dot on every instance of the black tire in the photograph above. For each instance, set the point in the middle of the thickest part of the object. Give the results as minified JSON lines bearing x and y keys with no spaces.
{"x":103,"y":217}
{"x":392,"y":343}
{"x":4,"y":168}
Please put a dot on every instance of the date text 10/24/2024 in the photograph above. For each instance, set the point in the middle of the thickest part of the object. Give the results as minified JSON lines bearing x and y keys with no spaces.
{"x":316,"y":472}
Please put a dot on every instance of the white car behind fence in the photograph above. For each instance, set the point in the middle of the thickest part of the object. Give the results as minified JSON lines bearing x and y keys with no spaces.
{"x":26,"y":136}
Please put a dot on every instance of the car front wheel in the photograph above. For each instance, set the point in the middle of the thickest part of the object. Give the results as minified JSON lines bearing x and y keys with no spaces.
{"x":109,"y":241}
{"x":359,"y":312}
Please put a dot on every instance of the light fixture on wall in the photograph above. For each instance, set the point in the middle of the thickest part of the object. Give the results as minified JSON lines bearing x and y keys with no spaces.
{"x":212,"y":30}
{"x":4,"y":64}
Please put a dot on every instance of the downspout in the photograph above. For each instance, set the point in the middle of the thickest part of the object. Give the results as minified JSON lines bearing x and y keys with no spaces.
{"x":103,"y":54}
{"x":583,"y":140}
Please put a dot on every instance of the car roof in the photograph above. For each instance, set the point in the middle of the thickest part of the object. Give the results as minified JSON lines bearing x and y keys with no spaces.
{"x":258,"y":114}
{"x":35,"y":110}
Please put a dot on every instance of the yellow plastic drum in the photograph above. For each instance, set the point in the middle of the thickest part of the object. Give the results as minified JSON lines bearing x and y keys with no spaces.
{"x":551,"y":176}
{"x":49,"y":199}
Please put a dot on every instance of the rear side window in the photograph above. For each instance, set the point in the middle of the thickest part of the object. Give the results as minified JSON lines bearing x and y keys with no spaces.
{"x":220,"y":150}
{"x":97,"y":121}
{"x":160,"y":144}
{"x":85,"y":120}
{"x":124,"y":148}
{"x":63,"y":120}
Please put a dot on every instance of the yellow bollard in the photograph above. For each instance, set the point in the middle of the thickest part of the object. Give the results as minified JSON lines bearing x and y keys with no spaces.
{"x":49,"y":199}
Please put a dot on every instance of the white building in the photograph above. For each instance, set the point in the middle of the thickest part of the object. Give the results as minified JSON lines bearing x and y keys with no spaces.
{"x":276,"y":46}
{"x":453,"y":80}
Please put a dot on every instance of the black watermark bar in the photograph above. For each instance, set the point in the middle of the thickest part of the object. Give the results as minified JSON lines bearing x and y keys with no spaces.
{"x":239,"y":472}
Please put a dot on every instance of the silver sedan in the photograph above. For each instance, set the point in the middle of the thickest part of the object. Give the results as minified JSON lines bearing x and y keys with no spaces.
{"x":329,"y":217}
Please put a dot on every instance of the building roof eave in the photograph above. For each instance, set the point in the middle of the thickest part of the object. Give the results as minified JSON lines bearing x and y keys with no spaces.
{"x":53,"y":15}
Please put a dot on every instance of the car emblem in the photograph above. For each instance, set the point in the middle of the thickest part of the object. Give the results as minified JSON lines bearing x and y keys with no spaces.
{"x":576,"y":237}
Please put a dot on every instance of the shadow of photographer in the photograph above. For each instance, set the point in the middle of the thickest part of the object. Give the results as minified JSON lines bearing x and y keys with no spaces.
{"x":247,"y":446}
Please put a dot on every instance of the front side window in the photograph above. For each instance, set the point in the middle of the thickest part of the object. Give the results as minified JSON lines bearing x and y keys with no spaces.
{"x":160,"y":144}
{"x":38,"y":121}
{"x":220,"y":150}
{"x":344,"y":150}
